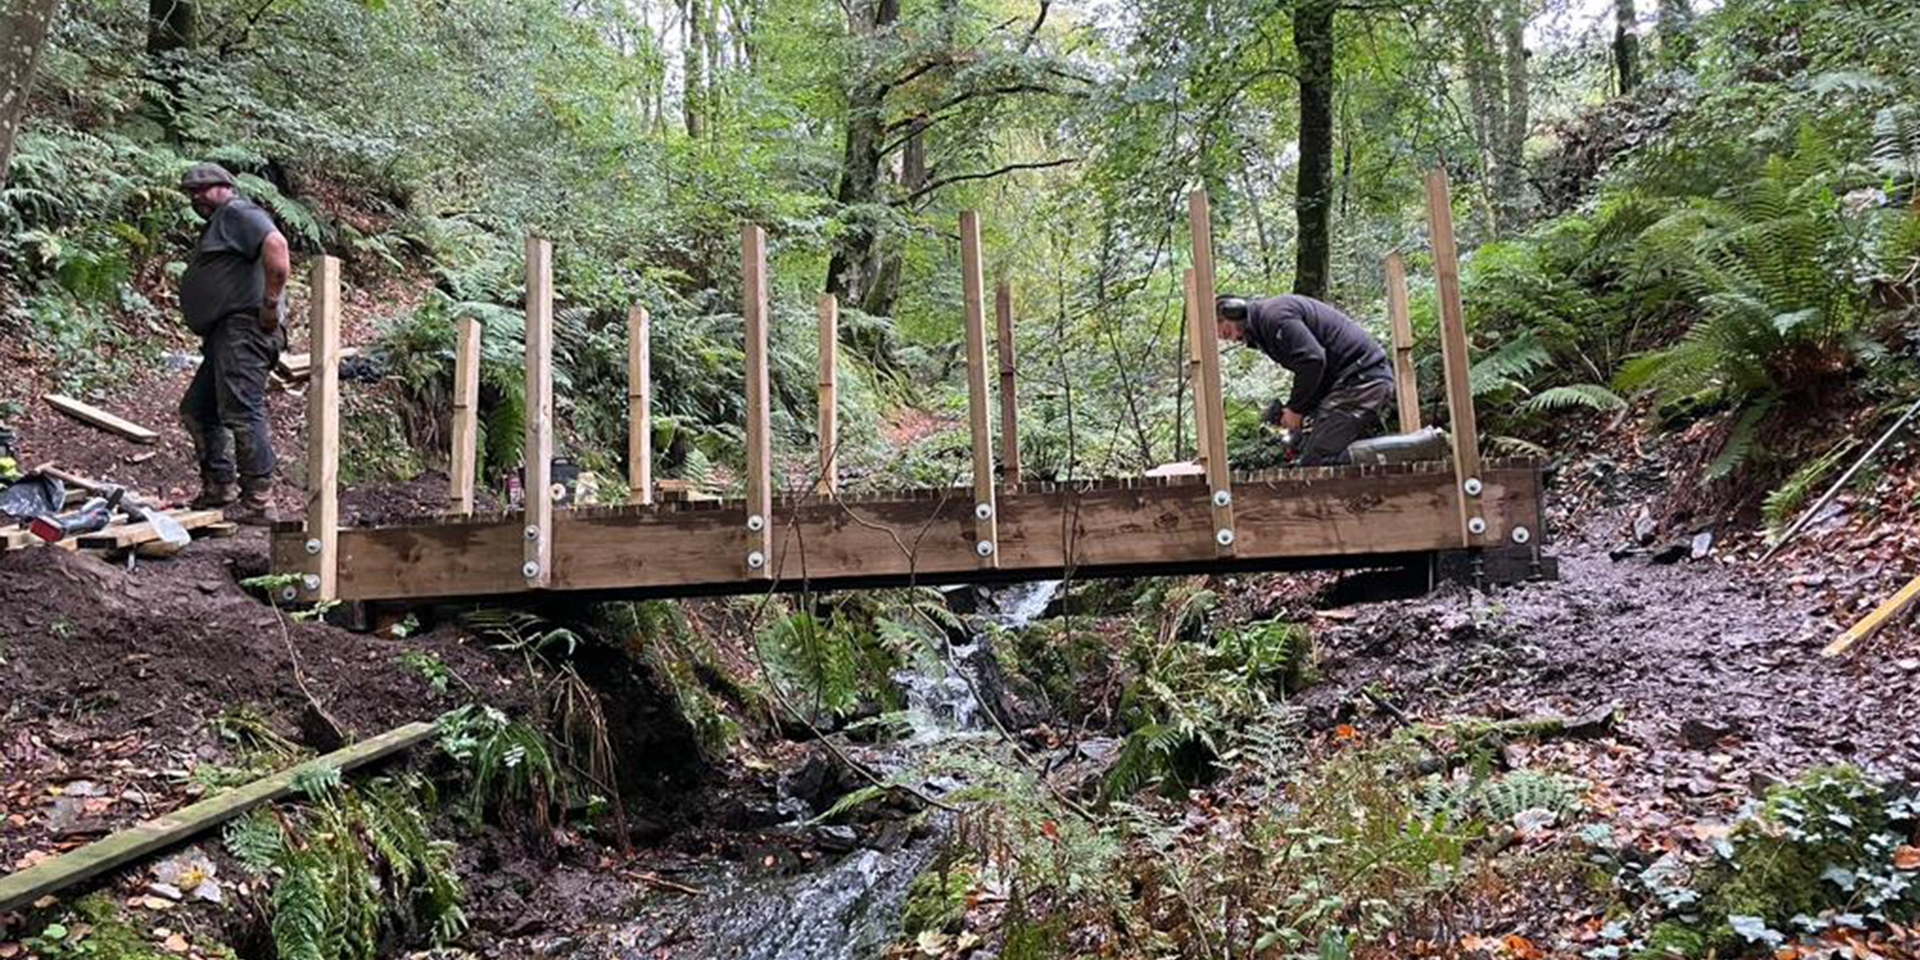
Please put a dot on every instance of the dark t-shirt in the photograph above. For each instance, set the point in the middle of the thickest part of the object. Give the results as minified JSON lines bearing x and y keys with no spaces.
{"x":226,"y":275}
{"x":1321,"y":346}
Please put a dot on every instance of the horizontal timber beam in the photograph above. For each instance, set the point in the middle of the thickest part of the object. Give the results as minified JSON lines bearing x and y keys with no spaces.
{"x":1286,"y":519}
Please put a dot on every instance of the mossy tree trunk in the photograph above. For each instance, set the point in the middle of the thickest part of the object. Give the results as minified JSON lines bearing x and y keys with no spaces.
{"x":23,"y":33}
{"x":1626,"y":45}
{"x":1313,"y":40}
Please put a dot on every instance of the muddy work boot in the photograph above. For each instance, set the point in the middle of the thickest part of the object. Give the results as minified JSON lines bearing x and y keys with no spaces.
{"x":214,"y":495}
{"x":255,"y":506}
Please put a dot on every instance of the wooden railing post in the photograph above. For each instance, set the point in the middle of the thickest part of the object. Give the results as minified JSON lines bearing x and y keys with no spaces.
{"x":1219,"y":477}
{"x":639,"y":406}
{"x":463,"y":465}
{"x":1404,"y":385}
{"x":1195,"y":317}
{"x":759,"y":522}
{"x":1009,"y":390}
{"x":323,"y":432}
{"x":829,"y":432}
{"x":1453,"y":356}
{"x":536,"y":494}
{"x":973,"y":293}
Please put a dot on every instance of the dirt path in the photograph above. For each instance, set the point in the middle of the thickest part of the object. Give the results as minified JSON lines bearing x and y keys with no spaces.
{"x":1715,"y":668}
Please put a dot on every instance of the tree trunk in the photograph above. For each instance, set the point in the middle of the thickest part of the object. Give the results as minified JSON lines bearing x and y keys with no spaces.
{"x":1511,"y":186}
{"x":1313,"y":40}
{"x":1676,"y":34}
{"x":23,"y":33}
{"x":1484,"y":97}
{"x":1626,"y":45}
{"x":693,"y":67}
{"x":859,"y":272}
{"x":172,"y":25}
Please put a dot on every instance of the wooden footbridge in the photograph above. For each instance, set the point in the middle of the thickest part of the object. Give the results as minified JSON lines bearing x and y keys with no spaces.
{"x":1485,"y":515}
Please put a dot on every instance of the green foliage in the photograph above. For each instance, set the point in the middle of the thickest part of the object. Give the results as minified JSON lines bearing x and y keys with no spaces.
{"x":1188,"y":696}
{"x":358,"y":868}
{"x":513,"y":767}
{"x":97,"y":926}
{"x":937,"y":898}
{"x":830,"y":663}
{"x":1783,"y":504}
{"x":1816,"y":853}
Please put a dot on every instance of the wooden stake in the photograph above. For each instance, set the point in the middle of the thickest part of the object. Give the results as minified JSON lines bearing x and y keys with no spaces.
{"x":1195,"y":317}
{"x":1871,"y":624}
{"x":323,"y":437}
{"x":759,"y":521}
{"x":1453,"y":355}
{"x":986,"y":526}
{"x":1009,"y":391}
{"x":1219,"y":479}
{"x":829,"y":393}
{"x":536,"y":493}
{"x":639,"y":406}
{"x":1404,"y":384}
{"x":464,"y":465}
{"x":77,"y":866}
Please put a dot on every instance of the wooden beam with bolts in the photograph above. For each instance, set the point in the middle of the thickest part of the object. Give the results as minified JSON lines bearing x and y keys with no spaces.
{"x":973,"y":294}
{"x":323,"y":433}
{"x":759,"y":561}
{"x":829,"y":403}
{"x":1456,"y":362}
{"x":536,"y":495}
{"x":639,"y":405}
{"x":1219,"y":479}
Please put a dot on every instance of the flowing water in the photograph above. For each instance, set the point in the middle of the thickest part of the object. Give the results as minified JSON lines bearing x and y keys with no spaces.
{"x":847,"y":908}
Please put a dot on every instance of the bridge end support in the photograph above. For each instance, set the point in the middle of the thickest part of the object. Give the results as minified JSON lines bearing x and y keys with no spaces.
{"x":1493,"y":566}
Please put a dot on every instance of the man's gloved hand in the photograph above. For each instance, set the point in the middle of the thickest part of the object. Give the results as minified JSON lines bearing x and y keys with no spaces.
{"x":1278,"y":414}
{"x":270,"y":315}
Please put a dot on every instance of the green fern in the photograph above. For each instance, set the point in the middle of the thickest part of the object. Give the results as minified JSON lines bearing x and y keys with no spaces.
{"x":1507,"y":368}
{"x":1740,"y":443}
{"x":1590,"y":396}
{"x":292,"y":215}
{"x":1784,"y":501}
{"x":256,"y":841}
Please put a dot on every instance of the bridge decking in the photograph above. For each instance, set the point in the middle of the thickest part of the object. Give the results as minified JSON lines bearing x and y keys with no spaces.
{"x":1318,"y":517}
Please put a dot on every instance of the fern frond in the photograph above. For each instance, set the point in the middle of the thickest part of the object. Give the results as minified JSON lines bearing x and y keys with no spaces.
{"x":1591,"y":396}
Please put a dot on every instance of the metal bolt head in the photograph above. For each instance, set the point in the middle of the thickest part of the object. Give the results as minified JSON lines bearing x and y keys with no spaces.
{"x":1224,"y":537}
{"x":983,"y":511}
{"x":530,"y":569}
{"x":1477,"y":526}
{"x":756,"y":523}
{"x":756,"y":560}
{"x":289,"y":594}
{"x":984,"y":548}
{"x":1472,"y":486}
{"x":1522,"y":535}
{"x":1222,"y":498}
{"x":312,"y":582}
{"x":557,"y":492}
{"x":313,"y":547}
{"x":533,"y":532}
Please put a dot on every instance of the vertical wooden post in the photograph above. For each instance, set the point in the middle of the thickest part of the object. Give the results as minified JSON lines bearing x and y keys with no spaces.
{"x":1404,"y":385}
{"x":1009,"y":391}
{"x":323,"y":432}
{"x":829,"y":393}
{"x":538,"y":450}
{"x":639,"y":406}
{"x":463,"y":466}
{"x":973,"y":292}
{"x":1195,"y":317}
{"x":1453,"y":356}
{"x":753,"y":255}
{"x":1219,"y":477}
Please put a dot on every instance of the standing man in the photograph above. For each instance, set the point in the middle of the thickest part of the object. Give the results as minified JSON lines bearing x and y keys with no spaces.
{"x":232,"y":296}
{"x":1341,"y":377}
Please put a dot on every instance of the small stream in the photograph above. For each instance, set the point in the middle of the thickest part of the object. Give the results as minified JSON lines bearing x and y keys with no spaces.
{"x":849,"y":907}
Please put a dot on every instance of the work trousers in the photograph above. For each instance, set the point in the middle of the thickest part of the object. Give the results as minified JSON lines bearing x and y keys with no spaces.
{"x":1347,"y":413}
{"x":225,"y":408}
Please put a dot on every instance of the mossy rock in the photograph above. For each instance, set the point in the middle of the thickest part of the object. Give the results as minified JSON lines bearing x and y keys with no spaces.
{"x":937,"y":899}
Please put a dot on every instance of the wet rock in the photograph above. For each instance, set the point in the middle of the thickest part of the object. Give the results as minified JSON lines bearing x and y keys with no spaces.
{"x":1703,"y":735}
{"x":1086,"y":766}
{"x":838,"y":838}
{"x":1644,"y":529}
{"x":1702,"y":547}
{"x":1673,"y":552}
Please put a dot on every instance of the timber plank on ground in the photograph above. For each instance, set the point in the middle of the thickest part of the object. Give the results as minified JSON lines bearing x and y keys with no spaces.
{"x":95,"y":417}
{"x":125,"y":535}
{"x":1293,"y":518}
{"x":94,"y":859}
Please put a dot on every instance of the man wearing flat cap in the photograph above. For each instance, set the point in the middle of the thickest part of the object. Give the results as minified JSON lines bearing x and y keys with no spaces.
{"x":232,"y":296}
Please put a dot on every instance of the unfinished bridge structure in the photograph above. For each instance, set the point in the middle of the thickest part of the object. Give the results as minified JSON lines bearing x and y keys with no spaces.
{"x":1474,"y":517}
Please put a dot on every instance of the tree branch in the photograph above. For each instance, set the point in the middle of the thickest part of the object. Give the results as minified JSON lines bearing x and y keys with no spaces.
{"x":932,"y":185}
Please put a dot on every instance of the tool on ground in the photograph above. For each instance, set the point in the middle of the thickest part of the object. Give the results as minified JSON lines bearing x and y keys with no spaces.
{"x":1429,"y":443}
{"x":93,"y":515}
{"x":171,"y":532}
{"x":1841,"y":483}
